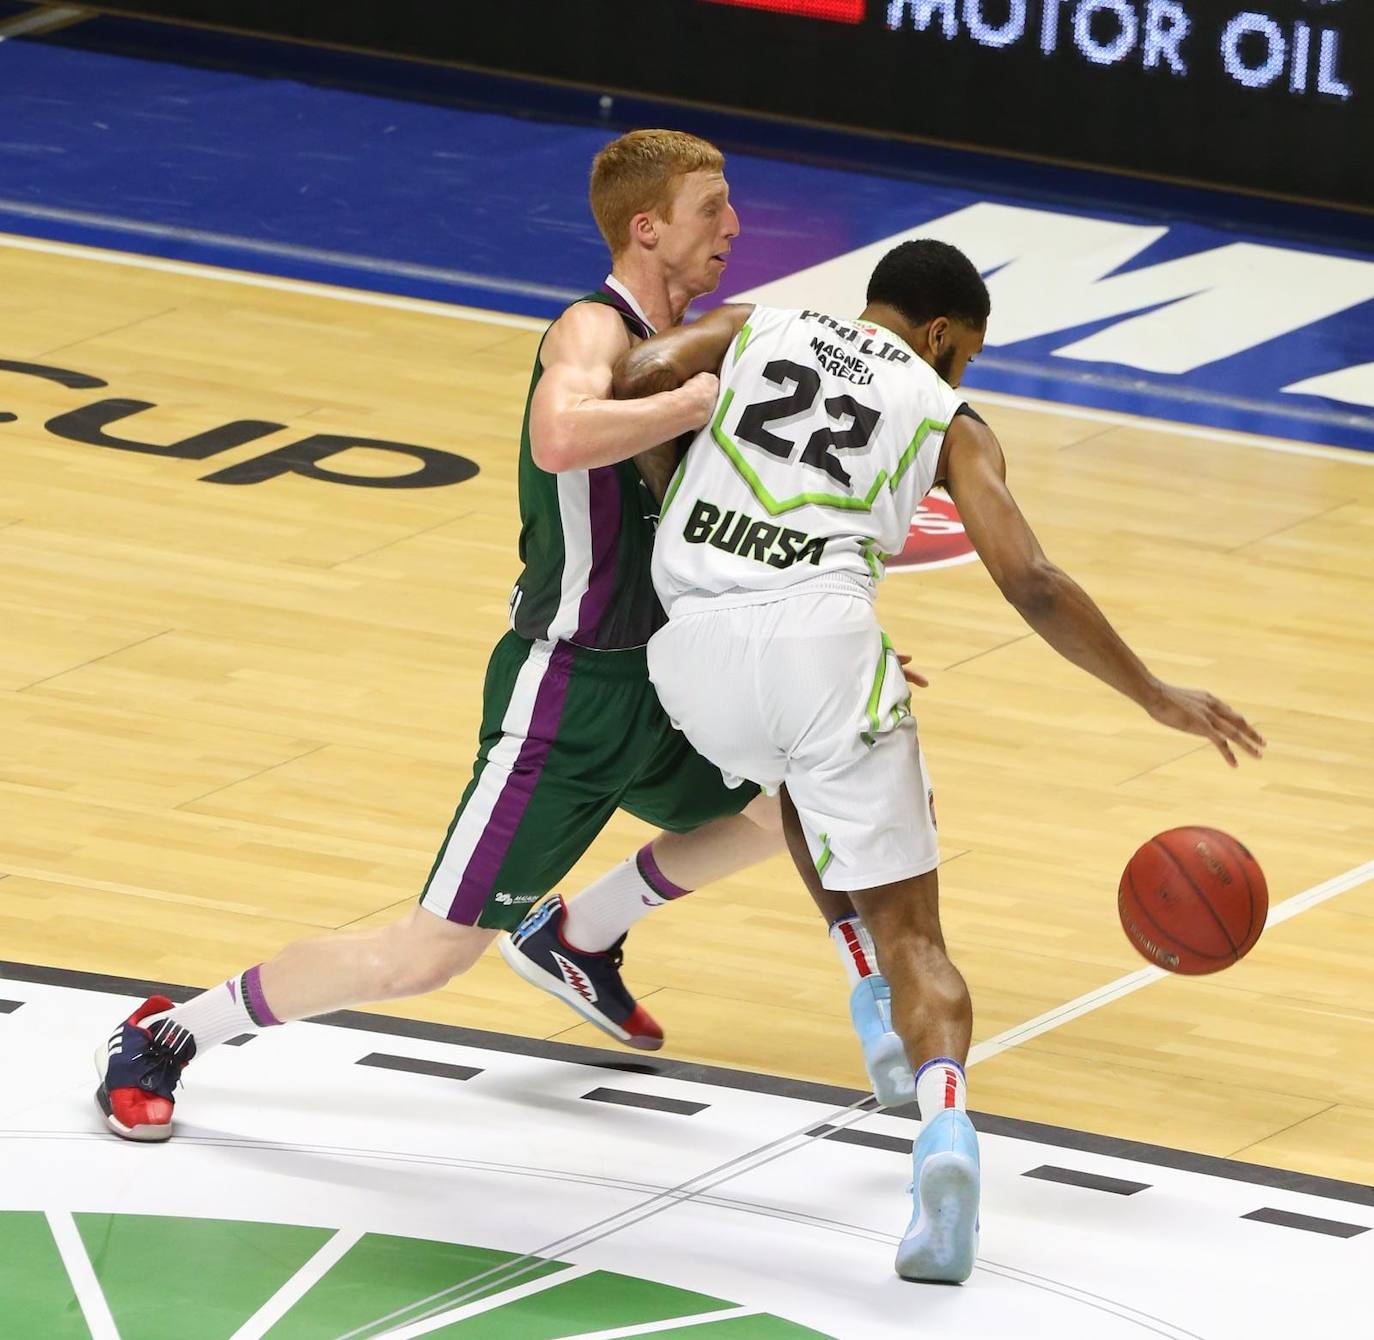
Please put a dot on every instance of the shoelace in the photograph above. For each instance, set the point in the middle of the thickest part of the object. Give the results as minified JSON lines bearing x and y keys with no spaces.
{"x":163,"y":1064}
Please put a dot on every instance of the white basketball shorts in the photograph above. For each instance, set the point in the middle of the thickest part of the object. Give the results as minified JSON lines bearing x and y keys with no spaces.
{"x":805,"y":690}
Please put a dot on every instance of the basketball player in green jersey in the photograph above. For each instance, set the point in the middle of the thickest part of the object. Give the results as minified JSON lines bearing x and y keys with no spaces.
{"x":571,"y":727}
{"x":828,"y":431}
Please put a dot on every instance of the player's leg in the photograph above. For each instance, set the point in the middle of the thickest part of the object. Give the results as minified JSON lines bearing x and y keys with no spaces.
{"x":673,"y":864}
{"x":933,"y":1014}
{"x":572,"y":949}
{"x":870,"y":996}
{"x":518,"y":829}
{"x":865,"y":807}
{"x":680,"y":790}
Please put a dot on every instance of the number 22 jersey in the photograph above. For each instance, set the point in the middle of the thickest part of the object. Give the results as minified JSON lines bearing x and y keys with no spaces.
{"x":824,"y":438}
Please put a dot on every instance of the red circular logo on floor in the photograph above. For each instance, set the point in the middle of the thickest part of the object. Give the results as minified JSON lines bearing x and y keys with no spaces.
{"x":937,"y":538}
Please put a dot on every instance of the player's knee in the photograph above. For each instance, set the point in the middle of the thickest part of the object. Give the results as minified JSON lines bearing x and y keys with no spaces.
{"x":423,"y":954}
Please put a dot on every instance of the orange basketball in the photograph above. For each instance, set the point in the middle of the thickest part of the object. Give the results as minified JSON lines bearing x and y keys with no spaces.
{"x":1193,"y":900}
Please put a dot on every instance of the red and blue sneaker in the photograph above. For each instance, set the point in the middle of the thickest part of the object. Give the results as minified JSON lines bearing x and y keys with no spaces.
{"x":138,"y":1069}
{"x":589,"y":982}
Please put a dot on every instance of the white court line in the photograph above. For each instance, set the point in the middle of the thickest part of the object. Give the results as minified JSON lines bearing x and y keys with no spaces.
{"x":1218,"y":436}
{"x":288,"y":251}
{"x":426,"y":1325}
{"x":451,"y":311}
{"x":89,"y":1295}
{"x":1133,"y":981}
{"x":671,"y":1324}
{"x":305,"y":1279}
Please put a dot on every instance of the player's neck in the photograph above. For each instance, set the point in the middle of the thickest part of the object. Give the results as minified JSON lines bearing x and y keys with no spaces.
{"x":657,"y":297}
{"x":889,"y":318}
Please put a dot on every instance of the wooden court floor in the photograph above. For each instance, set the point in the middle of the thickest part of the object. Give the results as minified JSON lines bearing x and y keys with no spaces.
{"x":234,"y":714}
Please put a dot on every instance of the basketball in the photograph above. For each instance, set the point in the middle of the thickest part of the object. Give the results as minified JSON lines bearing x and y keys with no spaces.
{"x":1193,"y":900}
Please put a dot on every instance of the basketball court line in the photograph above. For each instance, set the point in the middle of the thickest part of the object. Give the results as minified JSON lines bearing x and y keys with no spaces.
{"x":452,"y":311}
{"x":90,"y":1297}
{"x":1133,"y":981}
{"x":431,"y":274}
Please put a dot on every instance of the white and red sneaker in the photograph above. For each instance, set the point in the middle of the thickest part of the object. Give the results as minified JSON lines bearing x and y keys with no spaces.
{"x":138,"y":1069}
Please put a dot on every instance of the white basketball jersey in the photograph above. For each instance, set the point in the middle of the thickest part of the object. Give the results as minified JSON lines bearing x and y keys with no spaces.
{"x":824,"y":439}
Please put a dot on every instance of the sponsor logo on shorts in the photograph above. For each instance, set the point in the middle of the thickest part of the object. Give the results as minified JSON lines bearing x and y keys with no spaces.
{"x":516,"y":899}
{"x":937,"y":538}
{"x":575,"y":977}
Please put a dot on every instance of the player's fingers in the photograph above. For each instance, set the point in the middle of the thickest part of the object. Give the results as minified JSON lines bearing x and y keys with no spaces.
{"x":1224,"y":749}
{"x":1235,"y":727}
{"x":912,"y":676}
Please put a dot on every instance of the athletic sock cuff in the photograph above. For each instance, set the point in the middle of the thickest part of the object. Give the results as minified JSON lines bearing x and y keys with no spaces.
{"x":654,"y":877}
{"x":254,"y":1001}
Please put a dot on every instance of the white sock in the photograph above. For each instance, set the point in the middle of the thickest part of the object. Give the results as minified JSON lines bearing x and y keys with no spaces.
{"x":604,"y":911}
{"x":225,"y":1011}
{"x":854,"y":945}
{"x":940,"y":1084}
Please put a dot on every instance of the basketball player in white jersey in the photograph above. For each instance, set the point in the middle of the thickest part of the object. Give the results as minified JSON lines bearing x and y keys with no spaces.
{"x":826,"y":434}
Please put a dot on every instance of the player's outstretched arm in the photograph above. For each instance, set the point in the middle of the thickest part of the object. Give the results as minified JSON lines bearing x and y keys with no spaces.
{"x":681,"y":356}
{"x":1056,"y":607}
{"x":574,"y":422}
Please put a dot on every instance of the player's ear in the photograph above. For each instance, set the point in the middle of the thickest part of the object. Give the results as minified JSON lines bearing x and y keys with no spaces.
{"x":939,"y":334}
{"x":644,"y":230}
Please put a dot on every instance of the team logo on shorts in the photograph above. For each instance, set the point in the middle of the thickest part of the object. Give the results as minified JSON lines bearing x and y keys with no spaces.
{"x":937,"y":538}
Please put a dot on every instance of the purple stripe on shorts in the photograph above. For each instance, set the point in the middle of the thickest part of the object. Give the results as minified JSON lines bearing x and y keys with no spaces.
{"x":603,"y":515}
{"x":258,"y":1008}
{"x":479,"y":878}
{"x":653,"y":876}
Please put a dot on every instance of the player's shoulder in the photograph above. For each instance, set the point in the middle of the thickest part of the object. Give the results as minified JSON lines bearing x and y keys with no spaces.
{"x":586,"y":329}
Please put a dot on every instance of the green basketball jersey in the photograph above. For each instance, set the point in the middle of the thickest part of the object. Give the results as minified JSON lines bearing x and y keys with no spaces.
{"x":586,"y":538}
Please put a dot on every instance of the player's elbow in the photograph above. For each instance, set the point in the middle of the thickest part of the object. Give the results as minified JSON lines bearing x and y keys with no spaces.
{"x":554,"y":449}
{"x":641,"y":373}
{"x":1032,"y":589}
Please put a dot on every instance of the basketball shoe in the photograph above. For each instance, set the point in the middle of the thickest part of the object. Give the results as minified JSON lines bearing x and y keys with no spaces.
{"x":941,"y":1241}
{"x":885,"y":1059}
{"x":589,"y":982}
{"x":138,"y":1068}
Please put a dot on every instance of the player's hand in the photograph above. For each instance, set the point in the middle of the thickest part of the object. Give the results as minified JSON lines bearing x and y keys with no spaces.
{"x":1200,"y":713}
{"x":912,"y":676}
{"x":699,"y":397}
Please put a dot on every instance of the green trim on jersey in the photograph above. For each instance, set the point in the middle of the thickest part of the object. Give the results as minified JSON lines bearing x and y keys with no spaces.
{"x":759,"y":489}
{"x":927,"y":427}
{"x":874,"y":557}
{"x":743,"y":339}
{"x":673,"y":485}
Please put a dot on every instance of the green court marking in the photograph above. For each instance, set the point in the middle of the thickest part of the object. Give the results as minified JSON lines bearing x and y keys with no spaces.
{"x":170,"y":1279}
{"x":600,"y":1301}
{"x":36,"y":1297}
{"x":382,"y":1274}
{"x":201,"y":1279}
